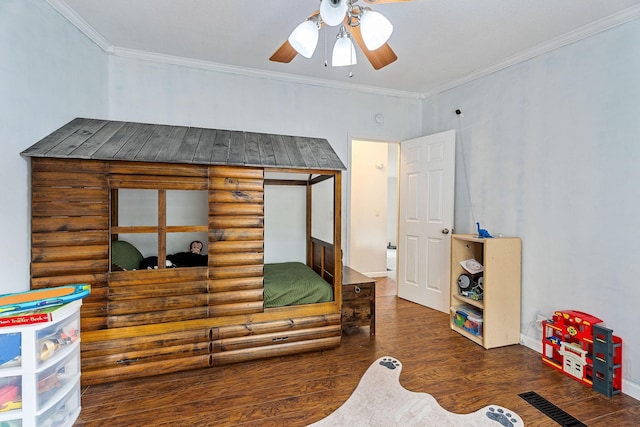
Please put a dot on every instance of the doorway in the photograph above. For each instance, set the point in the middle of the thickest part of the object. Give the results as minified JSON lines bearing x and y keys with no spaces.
{"x":373,"y":213}
{"x":422,"y":219}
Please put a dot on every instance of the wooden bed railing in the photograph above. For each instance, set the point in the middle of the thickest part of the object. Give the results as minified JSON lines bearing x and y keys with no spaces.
{"x":321,"y":259}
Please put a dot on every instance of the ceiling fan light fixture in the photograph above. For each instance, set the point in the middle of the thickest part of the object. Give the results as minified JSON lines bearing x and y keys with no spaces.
{"x":333,"y":12}
{"x":344,"y":53}
{"x":376,"y":29}
{"x":304,"y":38}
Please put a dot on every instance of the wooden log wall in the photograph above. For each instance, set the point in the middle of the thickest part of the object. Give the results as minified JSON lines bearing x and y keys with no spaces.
{"x":142,"y":323}
{"x":70,"y":231}
{"x":236,"y":240}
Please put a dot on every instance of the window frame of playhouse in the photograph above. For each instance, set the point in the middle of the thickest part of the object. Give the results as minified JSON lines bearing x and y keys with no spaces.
{"x":161,"y":229}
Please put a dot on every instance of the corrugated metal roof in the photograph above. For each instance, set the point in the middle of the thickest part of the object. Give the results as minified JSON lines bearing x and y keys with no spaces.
{"x":113,"y":140}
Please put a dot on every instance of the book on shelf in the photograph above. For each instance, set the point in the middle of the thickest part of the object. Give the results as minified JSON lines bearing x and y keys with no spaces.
{"x":38,"y":315}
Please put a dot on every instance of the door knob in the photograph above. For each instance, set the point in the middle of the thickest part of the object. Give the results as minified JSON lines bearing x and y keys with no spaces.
{"x":445,"y":231}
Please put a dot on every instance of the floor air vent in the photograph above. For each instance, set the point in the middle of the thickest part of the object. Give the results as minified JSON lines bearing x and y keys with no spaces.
{"x":551,"y":410}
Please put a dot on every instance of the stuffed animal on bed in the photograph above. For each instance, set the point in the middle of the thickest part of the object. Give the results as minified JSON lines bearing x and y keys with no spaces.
{"x":193,"y":258}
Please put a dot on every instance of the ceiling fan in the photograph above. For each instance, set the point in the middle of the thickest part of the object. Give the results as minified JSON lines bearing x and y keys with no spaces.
{"x":370,"y":29}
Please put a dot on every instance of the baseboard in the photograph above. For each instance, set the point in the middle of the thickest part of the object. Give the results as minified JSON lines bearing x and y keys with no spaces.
{"x":629,"y":388}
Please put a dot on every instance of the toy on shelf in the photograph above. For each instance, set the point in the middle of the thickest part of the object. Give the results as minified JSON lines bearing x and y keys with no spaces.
{"x":482,"y":233}
{"x":577,"y":344}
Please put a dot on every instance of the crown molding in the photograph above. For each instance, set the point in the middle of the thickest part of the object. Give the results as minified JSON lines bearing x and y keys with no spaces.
{"x":66,"y":11}
{"x":604,"y":24}
{"x":622,"y":17}
{"x":250,"y":72}
{"x":63,"y":9}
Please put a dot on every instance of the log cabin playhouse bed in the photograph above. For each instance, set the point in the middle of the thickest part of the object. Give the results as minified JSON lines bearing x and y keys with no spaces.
{"x":139,"y":323}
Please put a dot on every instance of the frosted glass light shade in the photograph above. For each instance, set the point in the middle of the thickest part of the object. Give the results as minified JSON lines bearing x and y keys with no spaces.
{"x":344,"y":53}
{"x":333,"y":12}
{"x":375,"y":28}
{"x":304,"y":38}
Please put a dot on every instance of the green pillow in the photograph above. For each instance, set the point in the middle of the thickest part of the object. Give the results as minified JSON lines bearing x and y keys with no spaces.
{"x":125,"y":255}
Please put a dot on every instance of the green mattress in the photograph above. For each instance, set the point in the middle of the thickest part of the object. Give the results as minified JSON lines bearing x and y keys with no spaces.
{"x":293,"y":283}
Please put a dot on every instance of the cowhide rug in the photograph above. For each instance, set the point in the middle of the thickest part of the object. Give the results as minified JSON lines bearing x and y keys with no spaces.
{"x":380,"y":400}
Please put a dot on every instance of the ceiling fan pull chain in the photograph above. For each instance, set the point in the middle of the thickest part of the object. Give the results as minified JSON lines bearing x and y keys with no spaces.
{"x":326,"y":63}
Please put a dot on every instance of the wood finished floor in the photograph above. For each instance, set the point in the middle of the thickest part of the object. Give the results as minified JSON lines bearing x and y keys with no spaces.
{"x":300,"y":389}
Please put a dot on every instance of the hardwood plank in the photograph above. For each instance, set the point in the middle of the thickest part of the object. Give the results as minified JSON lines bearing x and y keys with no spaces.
{"x":307,"y":153}
{"x":233,"y":172}
{"x":70,"y":209}
{"x":124,"y":371}
{"x":235,"y":184}
{"x":267,"y":156}
{"x":157,"y":317}
{"x":243,"y":234}
{"x":296,"y":159}
{"x":330,"y":159}
{"x":168,"y":148}
{"x":280,"y":154}
{"x":95,"y":280}
{"x":71,"y":194}
{"x":70,"y":253}
{"x":66,"y":268}
{"x":227,"y":209}
{"x":235,"y":272}
{"x":109,"y":149}
{"x":82,"y":134}
{"x":153,"y":144}
{"x":236,"y":148}
{"x":66,"y":178}
{"x":133,"y":144}
{"x":118,"y":306}
{"x":220,"y":149}
{"x":65,"y":165}
{"x":236,"y":222}
{"x":161,"y":352}
{"x":252,"y":155}
{"x":236,"y":196}
{"x":241,"y":258}
{"x":50,"y":141}
{"x":158,"y":290}
{"x":235,"y":284}
{"x":97,"y":140}
{"x":205,"y":146}
{"x":88,"y":223}
{"x":296,"y":390}
{"x":114,"y":140}
{"x":188,"y":146}
{"x":157,"y":169}
{"x":159,"y":182}
{"x":64,"y":238}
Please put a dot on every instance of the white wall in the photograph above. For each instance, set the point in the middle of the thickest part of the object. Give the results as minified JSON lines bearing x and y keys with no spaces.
{"x":552,"y":154}
{"x":49,"y":74}
{"x":368,"y":200}
{"x":285,"y":230}
{"x":157,"y":92}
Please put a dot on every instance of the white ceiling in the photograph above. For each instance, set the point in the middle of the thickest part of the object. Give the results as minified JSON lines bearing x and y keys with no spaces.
{"x":439,"y":43}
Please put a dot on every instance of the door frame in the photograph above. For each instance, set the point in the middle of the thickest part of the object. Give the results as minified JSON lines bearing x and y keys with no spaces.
{"x":347,"y":189}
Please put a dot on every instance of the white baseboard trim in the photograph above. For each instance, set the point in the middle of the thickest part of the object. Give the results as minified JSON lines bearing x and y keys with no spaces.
{"x":629,"y":388}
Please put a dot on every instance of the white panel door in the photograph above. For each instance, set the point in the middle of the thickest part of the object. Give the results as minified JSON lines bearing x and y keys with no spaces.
{"x":427,"y":172}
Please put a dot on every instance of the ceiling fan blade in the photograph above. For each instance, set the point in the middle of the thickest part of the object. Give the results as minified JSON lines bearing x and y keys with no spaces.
{"x":284,"y":54}
{"x":378,"y":58}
